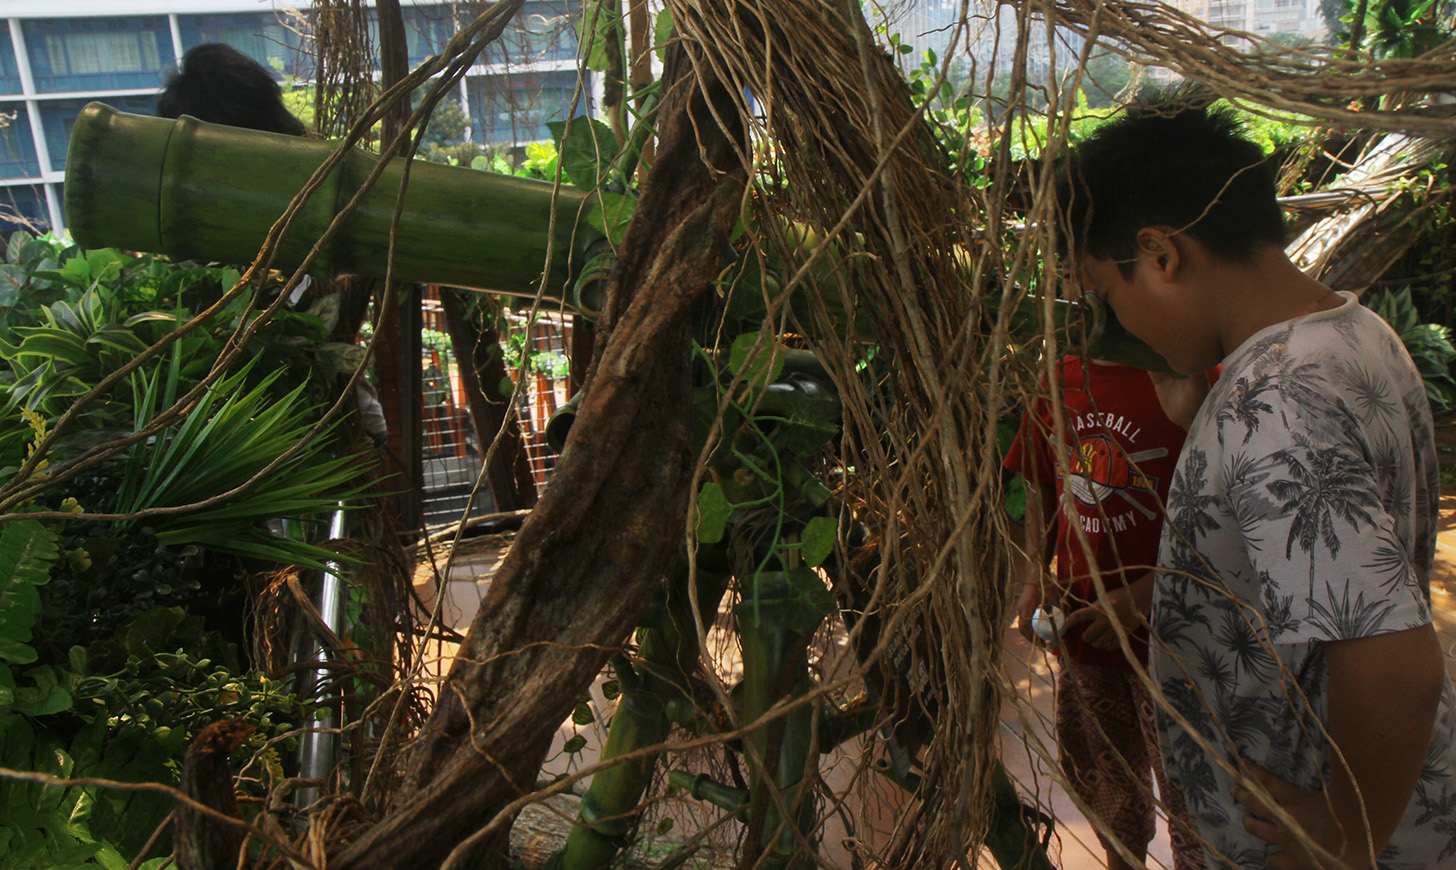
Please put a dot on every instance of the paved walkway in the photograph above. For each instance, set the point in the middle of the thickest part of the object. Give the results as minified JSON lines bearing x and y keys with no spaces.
{"x":1027,"y":747}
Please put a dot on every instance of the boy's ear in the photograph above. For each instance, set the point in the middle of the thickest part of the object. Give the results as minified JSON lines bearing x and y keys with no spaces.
{"x":1160,"y":249}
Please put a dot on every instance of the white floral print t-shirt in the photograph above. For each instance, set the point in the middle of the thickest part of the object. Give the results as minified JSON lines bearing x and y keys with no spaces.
{"x":1303,"y":510}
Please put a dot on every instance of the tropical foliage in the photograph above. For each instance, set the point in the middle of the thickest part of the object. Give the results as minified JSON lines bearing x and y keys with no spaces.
{"x":107,"y":668}
{"x":1429,"y":344}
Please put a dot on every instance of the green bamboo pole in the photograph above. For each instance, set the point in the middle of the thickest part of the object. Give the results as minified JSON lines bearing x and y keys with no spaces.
{"x":194,"y":190}
{"x":667,"y":653}
{"x":774,"y":625}
{"x":704,"y":788}
{"x":609,"y":808}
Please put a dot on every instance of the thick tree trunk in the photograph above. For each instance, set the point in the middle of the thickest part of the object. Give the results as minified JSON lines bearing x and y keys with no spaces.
{"x":203,"y":842}
{"x":589,"y":557}
{"x":401,"y":392}
{"x":481,"y":370}
{"x":397,"y":345}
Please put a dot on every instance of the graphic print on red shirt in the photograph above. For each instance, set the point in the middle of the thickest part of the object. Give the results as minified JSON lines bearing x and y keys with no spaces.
{"x":1121,"y":449}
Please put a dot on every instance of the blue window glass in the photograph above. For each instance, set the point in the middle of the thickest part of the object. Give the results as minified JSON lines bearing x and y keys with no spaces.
{"x":23,"y":207}
{"x":96,"y":54}
{"x":58,"y":116}
{"x":511,"y":109}
{"x":544,"y":30}
{"x":17,"y":146}
{"x":272,"y":39}
{"x":9,"y":72}
{"x":426,"y":30}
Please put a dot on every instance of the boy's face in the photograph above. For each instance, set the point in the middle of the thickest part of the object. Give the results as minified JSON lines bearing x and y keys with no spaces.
{"x":1157,"y":308}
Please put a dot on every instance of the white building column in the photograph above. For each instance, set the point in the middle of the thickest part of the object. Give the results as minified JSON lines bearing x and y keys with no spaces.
{"x":37,"y":128}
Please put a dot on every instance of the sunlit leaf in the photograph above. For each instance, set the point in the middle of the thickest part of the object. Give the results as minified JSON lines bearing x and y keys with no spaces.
{"x":816,"y":542}
{"x":713,"y":513}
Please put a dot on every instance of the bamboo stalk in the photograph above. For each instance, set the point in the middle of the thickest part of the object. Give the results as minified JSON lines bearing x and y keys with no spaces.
{"x":193,"y":190}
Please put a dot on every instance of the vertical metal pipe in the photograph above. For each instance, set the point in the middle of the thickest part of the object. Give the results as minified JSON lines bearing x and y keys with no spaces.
{"x":316,"y":753}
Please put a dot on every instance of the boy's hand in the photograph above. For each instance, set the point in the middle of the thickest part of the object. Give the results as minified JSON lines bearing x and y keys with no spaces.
{"x":1038,"y":589}
{"x":1026,"y":605}
{"x":1119,"y":606}
{"x":1310,"y":809}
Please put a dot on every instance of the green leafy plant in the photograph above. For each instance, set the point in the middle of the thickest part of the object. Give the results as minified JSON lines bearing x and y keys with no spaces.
{"x":43,"y":826}
{"x":1429,"y":344}
{"x":27,"y":552}
{"x":591,"y":160}
{"x":231,"y":434}
{"x":1407,"y":28}
{"x":126,"y":704}
{"x":61,"y":360}
{"x":125,"y":709}
{"x":541,"y":161}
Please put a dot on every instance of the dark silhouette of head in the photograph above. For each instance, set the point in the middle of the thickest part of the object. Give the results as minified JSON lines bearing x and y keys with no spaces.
{"x":221,"y":85}
{"x":1171,"y":159}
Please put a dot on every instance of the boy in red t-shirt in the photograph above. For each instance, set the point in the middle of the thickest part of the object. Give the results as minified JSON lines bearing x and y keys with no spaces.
{"x":1107,"y":516}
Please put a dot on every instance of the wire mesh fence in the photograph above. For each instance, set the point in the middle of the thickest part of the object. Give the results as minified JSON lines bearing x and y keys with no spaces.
{"x":536,"y":353}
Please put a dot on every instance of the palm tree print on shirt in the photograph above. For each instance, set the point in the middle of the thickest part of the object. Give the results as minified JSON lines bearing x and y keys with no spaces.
{"x":1343,"y":618}
{"x":1195,"y":514}
{"x":1239,"y":637}
{"x":1371,"y":399}
{"x":1278,"y":609}
{"x":1391,"y":563}
{"x":1319,"y":436}
{"x":1323,"y":485}
{"x":1244,"y":405}
{"x":1248,"y":505}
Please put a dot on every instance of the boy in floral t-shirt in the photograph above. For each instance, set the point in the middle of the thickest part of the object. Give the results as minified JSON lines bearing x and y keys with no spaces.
{"x":1306,"y":717}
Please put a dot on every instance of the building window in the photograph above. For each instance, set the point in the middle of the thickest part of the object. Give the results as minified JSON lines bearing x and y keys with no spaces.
{"x":542,"y":32}
{"x":512,"y":109}
{"x":426,"y":30}
{"x":58,"y":116}
{"x":23,"y":207}
{"x":17,"y":146}
{"x":268,"y":38}
{"x":98,"y":54}
{"x":9,"y":71}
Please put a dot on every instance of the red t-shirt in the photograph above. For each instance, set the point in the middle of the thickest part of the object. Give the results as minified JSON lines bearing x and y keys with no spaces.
{"x":1123,"y":450}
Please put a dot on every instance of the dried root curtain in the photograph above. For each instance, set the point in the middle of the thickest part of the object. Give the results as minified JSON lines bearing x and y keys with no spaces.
{"x":927,"y":261}
{"x":928,"y":264}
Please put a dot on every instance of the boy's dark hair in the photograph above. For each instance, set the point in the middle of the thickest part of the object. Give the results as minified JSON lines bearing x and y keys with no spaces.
{"x":1173,"y":160}
{"x":221,"y":85}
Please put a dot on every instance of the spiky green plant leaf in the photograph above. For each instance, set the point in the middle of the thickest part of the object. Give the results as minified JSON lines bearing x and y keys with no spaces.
{"x":230,"y":434}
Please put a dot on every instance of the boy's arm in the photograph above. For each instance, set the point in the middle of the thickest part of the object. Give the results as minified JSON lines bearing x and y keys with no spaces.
{"x":1383,"y":697}
{"x":1037,"y":588}
{"x":1128,"y":606}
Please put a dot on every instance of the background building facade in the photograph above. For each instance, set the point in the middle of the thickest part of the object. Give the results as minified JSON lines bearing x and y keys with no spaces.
{"x":62,"y":54}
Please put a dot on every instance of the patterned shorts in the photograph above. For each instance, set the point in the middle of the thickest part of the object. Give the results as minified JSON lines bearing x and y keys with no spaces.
{"x":1109,"y":751}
